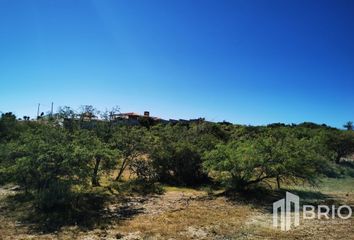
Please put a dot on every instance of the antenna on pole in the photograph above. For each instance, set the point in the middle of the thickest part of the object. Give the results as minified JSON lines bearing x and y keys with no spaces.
{"x":38,"y":110}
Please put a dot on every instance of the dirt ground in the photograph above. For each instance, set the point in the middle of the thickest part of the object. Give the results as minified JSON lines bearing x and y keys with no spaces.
{"x":186,"y":214}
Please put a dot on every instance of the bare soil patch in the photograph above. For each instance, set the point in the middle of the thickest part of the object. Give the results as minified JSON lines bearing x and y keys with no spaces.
{"x":182,"y":215}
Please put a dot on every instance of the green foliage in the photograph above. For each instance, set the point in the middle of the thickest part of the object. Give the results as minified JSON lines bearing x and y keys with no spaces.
{"x":349,"y":126}
{"x":101,"y":157}
{"x":176,"y":151}
{"x":341,"y":143}
{"x":57,"y":161}
{"x":48,"y":162}
{"x":178,"y":163}
{"x":131,"y":143}
{"x":8,"y":127}
{"x":66,"y":112}
{"x":273,"y":155}
{"x":144,"y":170}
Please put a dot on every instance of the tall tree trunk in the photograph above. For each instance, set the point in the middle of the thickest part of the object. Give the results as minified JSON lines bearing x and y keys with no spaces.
{"x":122,"y":168}
{"x":95,"y":181}
{"x":278,"y":182}
{"x":337,"y":160}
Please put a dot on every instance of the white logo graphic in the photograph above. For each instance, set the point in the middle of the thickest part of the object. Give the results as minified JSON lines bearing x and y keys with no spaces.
{"x":285,"y":212}
{"x":284,"y":206}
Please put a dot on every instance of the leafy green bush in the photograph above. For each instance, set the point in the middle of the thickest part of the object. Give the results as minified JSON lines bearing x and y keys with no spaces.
{"x":47,"y":162}
{"x":276,"y":155}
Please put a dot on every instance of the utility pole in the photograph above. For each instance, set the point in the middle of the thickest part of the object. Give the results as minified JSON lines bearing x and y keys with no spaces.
{"x":51,"y":110}
{"x":38,"y":110}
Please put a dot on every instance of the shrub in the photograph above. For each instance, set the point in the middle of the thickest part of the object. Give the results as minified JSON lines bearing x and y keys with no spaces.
{"x":278,"y":156}
{"x":47,"y":162}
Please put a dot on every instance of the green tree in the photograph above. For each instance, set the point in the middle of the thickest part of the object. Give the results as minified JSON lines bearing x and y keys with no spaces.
{"x":109,"y":115}
{"x":66,"y":112}
{"x":280,"y":157}
{"x":46,"y":161}
{"x":8,"y":126}
{"x":130,"y":142}
{"x":88,"y":112}
{"x":176,"y":151}
{"x":349,"y":126}
{"x":178,"y":163}
{"x":341,"y":143}
{"x":101,"y":157}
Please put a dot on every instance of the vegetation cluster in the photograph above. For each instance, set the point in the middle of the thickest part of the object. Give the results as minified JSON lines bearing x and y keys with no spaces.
{"x":58,"y":162}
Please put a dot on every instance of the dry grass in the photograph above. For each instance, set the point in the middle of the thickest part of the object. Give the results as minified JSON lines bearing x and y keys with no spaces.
{"x":183,"y":213}
{"x":200,"y":219}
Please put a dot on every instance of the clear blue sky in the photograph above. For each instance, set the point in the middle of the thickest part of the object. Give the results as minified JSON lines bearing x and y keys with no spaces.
{"x":248,"y":62}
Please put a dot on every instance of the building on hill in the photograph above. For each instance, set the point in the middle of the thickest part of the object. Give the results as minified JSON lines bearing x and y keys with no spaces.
{"x":126,"y":116}
{"x":88,"y":116}
{"x":133,"y":118}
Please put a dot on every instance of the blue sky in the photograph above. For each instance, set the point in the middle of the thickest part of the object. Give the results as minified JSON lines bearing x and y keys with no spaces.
{"x":248,"y":62}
